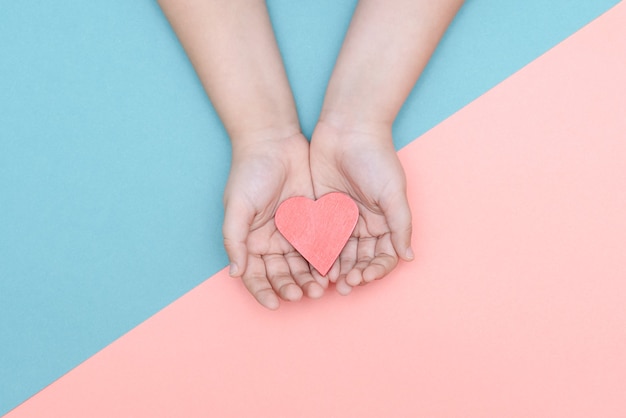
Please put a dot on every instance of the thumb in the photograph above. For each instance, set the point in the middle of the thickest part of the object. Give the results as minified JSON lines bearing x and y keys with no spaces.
{"x":398,"y":215}
{"x":237,"y":221}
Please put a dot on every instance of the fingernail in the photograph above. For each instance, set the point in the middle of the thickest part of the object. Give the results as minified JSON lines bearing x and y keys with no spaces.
{"x":233,"y":269}
{"x":409,"y":254}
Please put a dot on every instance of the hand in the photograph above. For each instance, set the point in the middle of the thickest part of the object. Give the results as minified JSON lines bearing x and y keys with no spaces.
{"x":263,"y":174}
{"x":363,"y":163}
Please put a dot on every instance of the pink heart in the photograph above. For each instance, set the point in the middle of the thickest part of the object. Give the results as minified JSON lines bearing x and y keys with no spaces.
{"x":318,"y":229}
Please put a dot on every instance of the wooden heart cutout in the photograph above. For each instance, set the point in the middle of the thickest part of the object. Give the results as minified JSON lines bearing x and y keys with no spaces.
{"x":318,"y":229}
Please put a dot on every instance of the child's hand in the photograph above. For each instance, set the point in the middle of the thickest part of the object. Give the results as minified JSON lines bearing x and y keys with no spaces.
{"x":364,"y":165}
{"x":385,"y":49}
{"x":232,"y":47}
{"x":263,"y":174}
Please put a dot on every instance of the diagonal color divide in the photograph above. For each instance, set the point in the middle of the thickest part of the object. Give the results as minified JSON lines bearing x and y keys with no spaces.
{"x":513,"y":307}
{"x":112,"y":159}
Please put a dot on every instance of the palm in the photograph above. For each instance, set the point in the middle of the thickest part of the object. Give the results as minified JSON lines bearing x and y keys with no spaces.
{"x":366,"y":168}
{"x":261,"y":178}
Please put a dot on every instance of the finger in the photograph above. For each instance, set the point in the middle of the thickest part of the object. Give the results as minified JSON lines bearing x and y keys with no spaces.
{"x":322,"y":280}
{"x":333,"y":273}
{"x":280,"y":277}
{"x":237,"y":221}
{"x":365,"y":253}
{"x":398,"y":216}
{"x":342,"y":287}
{"x":301,"y":273}
{"x":255,"y":280}
{"x":347,"y":258}
{"x":384,"y":261}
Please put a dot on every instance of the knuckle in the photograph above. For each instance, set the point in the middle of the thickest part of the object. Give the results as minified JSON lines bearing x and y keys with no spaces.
{"x":230,"y":244}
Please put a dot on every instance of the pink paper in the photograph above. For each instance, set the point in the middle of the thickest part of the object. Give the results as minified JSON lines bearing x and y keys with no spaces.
{"x":514,"y":307}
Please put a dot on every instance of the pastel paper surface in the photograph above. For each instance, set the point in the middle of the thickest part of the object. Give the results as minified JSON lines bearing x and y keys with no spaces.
{"x":514,"y":306}
{"x":110,"y":202}
{"x":318,"y":229}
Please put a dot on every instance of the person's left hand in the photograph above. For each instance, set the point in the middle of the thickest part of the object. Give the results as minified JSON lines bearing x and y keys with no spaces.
{"x":363,"y":164}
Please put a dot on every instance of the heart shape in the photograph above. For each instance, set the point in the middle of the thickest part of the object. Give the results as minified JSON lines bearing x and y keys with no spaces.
{"x":318,"y":229}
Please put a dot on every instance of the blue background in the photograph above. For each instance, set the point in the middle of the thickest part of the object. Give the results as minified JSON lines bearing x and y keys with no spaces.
{"x":113,"y":162}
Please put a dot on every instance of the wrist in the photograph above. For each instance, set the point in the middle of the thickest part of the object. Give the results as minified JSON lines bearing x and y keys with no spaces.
{"x":264,"y":135}
{"x":347,"y":105}
{"x":279,"y":142}
{"x":351,"y":122}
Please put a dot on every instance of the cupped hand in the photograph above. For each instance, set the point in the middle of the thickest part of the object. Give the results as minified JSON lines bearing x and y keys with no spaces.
{"x":363,"y":163}
{"x":264,"y":173}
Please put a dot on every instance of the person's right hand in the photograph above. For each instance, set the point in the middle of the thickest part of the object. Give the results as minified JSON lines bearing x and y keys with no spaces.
{"x":265,"y":172}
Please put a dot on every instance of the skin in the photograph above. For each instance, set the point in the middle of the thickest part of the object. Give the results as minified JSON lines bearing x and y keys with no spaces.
{"x":388,"y":44}
{"x":233,"y":50}
{"x":232,"y":47}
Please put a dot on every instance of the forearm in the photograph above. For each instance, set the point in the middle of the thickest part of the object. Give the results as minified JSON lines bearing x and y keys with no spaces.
{"x":387,"y":46}
{"x":232,"y":47}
